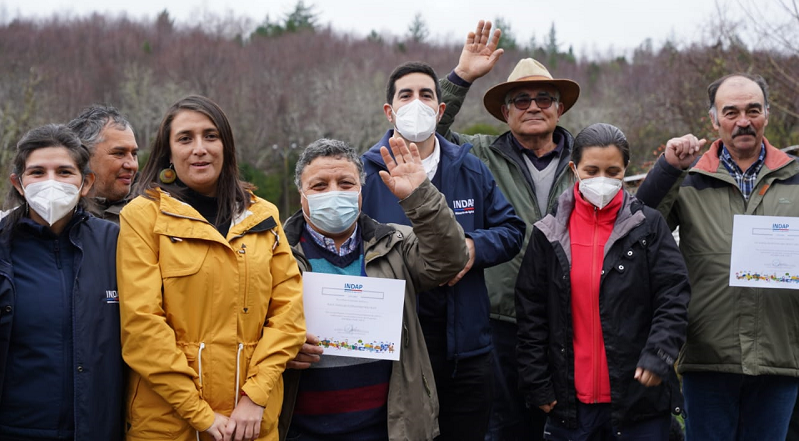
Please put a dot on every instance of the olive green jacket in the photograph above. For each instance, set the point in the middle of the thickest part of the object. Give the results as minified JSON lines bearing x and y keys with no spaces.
{"x":430,"y":253}
{"x":510,"y":173}
{"x":731,"y":329}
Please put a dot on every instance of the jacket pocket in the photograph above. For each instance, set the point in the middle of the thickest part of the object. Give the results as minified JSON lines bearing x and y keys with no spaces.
{"x":150,"y":416}
{"x":181,"y":258}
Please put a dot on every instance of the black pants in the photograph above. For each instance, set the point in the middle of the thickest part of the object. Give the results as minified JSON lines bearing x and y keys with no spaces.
{"x":793,"y":427}
{"x":594,"y":424}
{"x":510,"y":419}
{"x":465,"y":390}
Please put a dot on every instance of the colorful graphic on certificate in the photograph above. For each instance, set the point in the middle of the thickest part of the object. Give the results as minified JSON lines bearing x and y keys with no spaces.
{"x":765,"y":252}
{"x":355,"y":316}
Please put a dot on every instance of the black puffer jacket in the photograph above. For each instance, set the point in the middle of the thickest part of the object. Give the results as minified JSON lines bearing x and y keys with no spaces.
{"x":643,"y":303}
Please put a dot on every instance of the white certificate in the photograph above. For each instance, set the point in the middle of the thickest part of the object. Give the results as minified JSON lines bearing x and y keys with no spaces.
{"x":355,"y":316}
{"x":765,"y":252}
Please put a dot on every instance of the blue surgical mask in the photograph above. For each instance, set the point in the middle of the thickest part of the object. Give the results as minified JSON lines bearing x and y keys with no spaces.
{"x":333,"y":211}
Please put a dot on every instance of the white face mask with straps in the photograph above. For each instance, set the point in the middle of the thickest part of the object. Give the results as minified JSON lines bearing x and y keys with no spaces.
{"x":51,"y":199}
{"x":415,"y":121}
{"x":333,"y":211}
{"x":598,"y":191}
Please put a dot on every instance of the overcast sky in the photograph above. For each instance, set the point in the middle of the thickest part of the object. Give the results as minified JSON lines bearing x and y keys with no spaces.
{"x":592,"y":27}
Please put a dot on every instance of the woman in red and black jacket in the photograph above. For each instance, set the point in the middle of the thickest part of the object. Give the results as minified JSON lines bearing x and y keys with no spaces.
{"x":601,"y":302}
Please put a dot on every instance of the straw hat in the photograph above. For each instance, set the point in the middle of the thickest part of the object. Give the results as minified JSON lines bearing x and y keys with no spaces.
{"x":529,"y":72}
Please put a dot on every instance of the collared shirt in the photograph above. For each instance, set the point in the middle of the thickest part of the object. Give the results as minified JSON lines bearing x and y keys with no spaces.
{"x":746,"y":180}
{"x":543,"y":161}
{"x":327,"y":243}
{"x":430,"y":163}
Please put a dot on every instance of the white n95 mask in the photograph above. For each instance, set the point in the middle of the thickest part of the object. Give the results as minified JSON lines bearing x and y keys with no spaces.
{"x":51,"y":199}
{"x":415,"y":121}
{"x":599,"y":191}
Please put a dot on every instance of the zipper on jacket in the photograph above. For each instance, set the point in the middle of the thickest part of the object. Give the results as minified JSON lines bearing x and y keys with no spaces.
{"x":243,"y":278}
{"x":57,"y":252}
{"x":595,"y":307}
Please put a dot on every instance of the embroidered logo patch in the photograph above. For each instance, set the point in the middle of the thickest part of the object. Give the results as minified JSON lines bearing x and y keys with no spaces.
{"x":463,"y":206}
{"x":111,"y":297}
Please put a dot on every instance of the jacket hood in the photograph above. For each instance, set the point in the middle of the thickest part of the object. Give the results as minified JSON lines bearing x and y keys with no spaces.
{"x":455,"y":153}
{"x":182,"y":217}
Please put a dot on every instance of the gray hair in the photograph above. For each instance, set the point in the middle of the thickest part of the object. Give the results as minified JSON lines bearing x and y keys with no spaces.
{"x":322,"y":148}
{"x":714,"y":87}
{"x":90,"y":123}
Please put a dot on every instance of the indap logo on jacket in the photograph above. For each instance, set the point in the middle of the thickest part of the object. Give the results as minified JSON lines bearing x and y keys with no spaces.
{"x":463,"y":206}
{"x":111,"y":296}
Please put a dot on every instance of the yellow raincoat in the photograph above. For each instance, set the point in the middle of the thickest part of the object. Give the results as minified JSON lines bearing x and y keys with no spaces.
{"x":204,"y":317}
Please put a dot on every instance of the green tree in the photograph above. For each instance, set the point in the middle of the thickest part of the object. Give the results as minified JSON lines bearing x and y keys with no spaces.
{"x":374,"y":37}
{"x":268,"y":29}
{"x":302,"y":18}
{"x":164,"y":24}
{"x":483,"y":128}
{"x":552,"y":47}
{"x":417,"y":30}
{"x":269,"y":186}
{"x":507,"y":41}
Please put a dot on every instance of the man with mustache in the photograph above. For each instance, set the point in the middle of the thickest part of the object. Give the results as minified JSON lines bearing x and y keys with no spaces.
{"x":109,"y":138}
{"x":740,"y":362}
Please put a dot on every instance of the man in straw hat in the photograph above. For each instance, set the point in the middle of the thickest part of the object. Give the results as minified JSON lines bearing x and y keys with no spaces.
{"x":530,"y":165}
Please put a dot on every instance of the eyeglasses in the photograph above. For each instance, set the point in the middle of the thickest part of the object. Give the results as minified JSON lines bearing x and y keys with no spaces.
{"x":542,"y":101}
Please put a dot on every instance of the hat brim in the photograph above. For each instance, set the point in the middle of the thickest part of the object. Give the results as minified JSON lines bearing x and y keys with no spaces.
{"x":494,"y":98}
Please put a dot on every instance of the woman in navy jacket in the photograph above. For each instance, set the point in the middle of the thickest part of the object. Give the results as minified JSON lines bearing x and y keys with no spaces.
{"x":601,"y":302}
{"x":60,"y":357}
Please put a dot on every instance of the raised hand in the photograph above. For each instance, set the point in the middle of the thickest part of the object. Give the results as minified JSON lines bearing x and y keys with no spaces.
{"x":405,"y":171}
{"x":480,"y":52}
{"x":681,"y":152}
{"x":309,"y":353}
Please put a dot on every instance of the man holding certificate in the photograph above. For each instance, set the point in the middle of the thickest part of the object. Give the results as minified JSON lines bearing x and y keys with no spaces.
{"x":740,"y":362}
{"x":343,"y":398}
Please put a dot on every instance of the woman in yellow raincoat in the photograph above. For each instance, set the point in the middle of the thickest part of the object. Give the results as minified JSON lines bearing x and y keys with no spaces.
{"x":210,"y":294}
